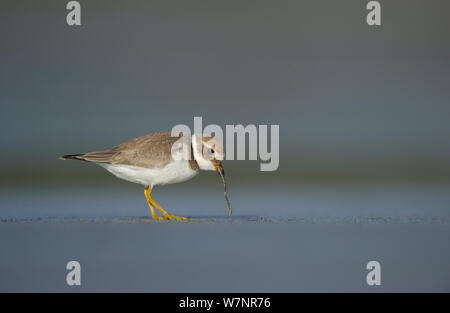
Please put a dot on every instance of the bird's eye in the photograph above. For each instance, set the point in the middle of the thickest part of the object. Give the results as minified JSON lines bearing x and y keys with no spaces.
{"x":211,"y":151}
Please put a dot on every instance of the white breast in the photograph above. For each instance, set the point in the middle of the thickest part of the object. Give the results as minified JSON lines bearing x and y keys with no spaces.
{"x":174,"y":172}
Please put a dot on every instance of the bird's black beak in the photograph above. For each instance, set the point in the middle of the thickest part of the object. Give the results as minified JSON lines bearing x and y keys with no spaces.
{"x":219,"y":169}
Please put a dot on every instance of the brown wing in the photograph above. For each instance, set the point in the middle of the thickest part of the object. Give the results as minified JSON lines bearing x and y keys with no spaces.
{"x":150,"y":151}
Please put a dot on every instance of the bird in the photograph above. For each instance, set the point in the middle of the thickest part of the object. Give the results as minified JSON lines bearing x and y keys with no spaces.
{"x":148,"y":160}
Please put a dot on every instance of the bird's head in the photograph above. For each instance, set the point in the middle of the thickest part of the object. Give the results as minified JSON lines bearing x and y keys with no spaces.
{"x":208,"y":152}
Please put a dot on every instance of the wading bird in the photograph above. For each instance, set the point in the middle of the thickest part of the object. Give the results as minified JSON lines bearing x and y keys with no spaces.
{"x":148,"y":160}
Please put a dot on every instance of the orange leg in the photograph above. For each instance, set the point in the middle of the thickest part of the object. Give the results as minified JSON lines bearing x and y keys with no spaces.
{"x":152,"y":204}
{"x":147,"y":196}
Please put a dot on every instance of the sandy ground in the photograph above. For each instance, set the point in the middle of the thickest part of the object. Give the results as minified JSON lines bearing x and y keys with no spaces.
{"x":322,"y":245}
{"x":243,"y":254}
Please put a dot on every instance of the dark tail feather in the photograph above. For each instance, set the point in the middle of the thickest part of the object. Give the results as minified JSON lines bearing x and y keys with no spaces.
{"x":73,"y":157}
{"x":102,"y":156}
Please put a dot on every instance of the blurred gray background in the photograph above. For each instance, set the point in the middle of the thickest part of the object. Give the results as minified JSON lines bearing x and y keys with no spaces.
{"x":352,"y":101}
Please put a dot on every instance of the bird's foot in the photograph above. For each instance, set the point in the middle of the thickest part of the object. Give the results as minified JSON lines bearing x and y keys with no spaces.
{"x":156,"y":217}
{"x":168,"y":216}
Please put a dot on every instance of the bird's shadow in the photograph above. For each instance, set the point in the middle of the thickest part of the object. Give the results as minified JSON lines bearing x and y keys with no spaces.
{"x":203,"y":218}
{"x":146,"y":219}
{"x":215,"y":219}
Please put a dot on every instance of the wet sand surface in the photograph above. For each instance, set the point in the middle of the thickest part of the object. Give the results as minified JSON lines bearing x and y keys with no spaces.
{"x":306,"y":250}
